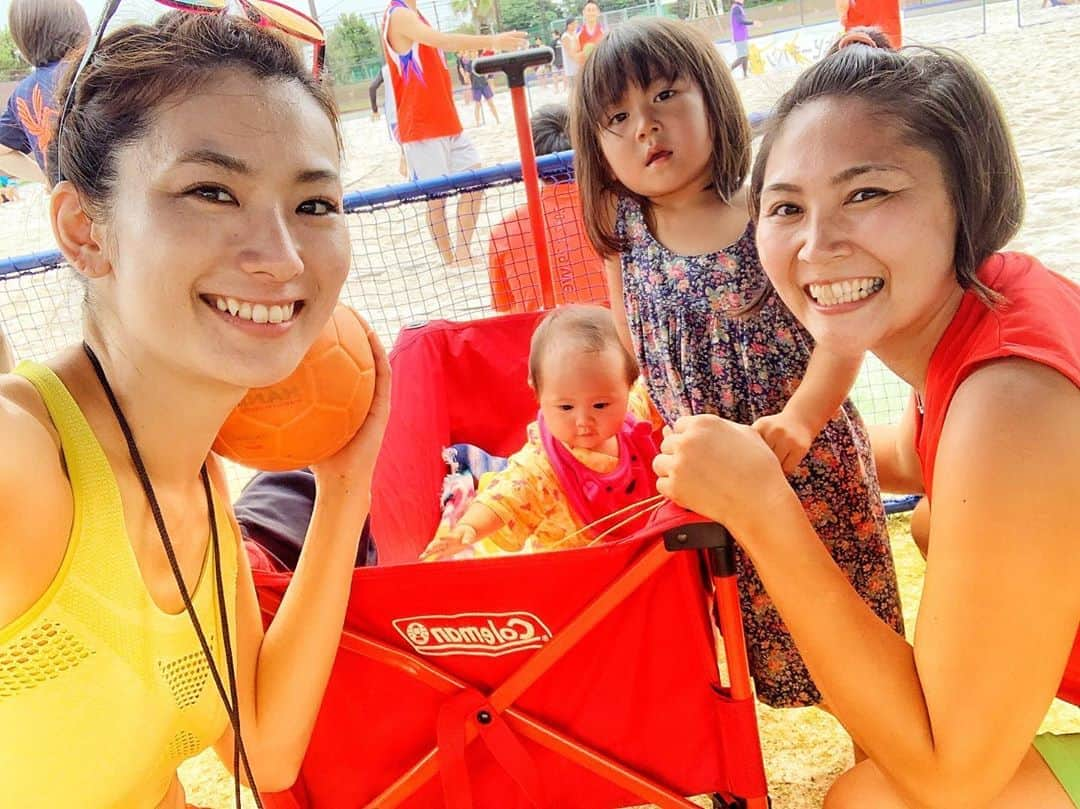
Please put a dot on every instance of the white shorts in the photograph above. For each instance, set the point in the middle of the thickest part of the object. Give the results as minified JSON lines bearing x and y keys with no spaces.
{"x":435,"y":157}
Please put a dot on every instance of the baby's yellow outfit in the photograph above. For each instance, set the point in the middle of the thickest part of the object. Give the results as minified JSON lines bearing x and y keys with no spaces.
{"x":528,"y":498}
{"x":102,"y":694}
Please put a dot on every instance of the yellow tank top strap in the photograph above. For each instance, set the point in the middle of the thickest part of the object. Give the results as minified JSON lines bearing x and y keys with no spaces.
{"x":95,"y":495}
{"x":87,"y":466}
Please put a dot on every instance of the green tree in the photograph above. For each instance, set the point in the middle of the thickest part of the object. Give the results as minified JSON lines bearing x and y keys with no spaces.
{"x":535,"y":16}
{"x":680,"y":9}
{"x":351,"y":43}
{"x":11,"y":64}
{"x":606,"y":5}
{"x":484,"y":14}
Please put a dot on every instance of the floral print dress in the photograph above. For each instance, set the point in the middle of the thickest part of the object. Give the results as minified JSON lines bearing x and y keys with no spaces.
{"x":699,"y":355}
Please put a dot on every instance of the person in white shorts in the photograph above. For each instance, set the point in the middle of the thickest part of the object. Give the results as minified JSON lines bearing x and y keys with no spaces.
{"x":435,"y":157}
{"x":429,"y":128}
{"x":571,"y":52}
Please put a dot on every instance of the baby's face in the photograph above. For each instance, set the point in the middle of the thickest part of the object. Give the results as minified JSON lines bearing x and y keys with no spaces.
{"x":583,"y":394}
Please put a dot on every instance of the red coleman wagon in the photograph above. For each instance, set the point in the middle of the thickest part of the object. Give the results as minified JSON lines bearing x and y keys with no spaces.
{"x":582,"y":678}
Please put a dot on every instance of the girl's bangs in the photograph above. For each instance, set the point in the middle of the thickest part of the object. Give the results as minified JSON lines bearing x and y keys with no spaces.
{"x":621,"y":61}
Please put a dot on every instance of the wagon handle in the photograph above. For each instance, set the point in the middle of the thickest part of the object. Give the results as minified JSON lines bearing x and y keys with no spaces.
{"x":514,"y":64}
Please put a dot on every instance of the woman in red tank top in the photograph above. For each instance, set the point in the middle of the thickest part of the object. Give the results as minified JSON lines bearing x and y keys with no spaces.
{"x":884,"y":189}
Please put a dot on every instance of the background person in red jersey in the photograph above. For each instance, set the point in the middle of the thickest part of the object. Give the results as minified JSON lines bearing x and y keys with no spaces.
{"x":428,"y":124}
{"x":881,"y":14}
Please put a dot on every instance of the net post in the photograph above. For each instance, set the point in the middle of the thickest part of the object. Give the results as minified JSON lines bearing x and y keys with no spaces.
{"x":514,"y":65}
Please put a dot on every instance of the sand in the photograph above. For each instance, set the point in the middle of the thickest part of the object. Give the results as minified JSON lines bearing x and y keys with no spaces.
{"x":1033,"y":69}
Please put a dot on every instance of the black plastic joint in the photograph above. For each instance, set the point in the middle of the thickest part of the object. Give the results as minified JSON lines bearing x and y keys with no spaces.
{"x":513,"y":64}
{"x":697,"y":536}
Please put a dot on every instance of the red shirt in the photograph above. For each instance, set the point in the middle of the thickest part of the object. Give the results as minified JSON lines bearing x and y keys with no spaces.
{"x":1040,"y":321}
{"x":422,"y":88}
{"x":586,"y":37}
{"x":883,"y":14}
{"x":512,"y":268}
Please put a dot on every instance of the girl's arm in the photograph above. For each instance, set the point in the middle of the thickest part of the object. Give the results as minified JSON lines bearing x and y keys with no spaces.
{"x":824,"y":387}
{"x":477,"y":523}
{"x":949,"y":720}
{"x":613,"y":273}
{"x":282,"y":674}
{"x":893,"y":445}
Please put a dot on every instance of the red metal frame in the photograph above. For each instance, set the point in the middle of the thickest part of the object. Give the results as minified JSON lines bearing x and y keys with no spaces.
{"x":530,"y":177}
{"x":502,"y":699}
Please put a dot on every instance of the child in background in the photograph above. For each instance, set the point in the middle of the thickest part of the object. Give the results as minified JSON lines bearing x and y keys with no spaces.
{"x":663,"y":150}
{"x":740,"y":36}
{"x":480,"y":87}
{"x":588,"y":454}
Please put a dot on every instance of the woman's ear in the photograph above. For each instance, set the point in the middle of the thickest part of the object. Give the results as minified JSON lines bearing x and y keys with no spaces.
{"x":81,"y":240}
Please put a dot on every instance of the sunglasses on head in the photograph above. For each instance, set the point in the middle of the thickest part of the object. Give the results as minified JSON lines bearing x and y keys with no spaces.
{"x":264,"y":13}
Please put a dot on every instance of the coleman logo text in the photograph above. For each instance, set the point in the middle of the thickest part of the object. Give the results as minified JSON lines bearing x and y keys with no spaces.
{"x":488,"y":634}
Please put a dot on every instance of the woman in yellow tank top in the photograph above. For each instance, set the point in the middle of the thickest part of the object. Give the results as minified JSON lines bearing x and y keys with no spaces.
{"x":201,"y":166}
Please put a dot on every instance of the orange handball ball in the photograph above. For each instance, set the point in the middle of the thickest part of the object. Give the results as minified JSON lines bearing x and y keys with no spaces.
{"x":311,"y":414}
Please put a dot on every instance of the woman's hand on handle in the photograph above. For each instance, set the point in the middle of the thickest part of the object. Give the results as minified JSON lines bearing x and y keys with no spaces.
{"x":721,"y":470}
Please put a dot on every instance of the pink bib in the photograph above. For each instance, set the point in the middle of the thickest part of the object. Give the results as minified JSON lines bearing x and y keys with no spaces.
{"x":593,"y":495}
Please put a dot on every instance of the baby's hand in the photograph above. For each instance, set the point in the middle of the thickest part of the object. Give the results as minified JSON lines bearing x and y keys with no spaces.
{"x":449,"y":544}
{"x":788,"y":437}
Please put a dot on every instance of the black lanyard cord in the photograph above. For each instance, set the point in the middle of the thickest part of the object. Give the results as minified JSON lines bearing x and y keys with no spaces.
{"x":232,"y":705}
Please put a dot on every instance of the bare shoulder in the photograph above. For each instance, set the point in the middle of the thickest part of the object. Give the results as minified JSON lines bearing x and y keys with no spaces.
{"x":1018,"y":399}
{"x":402,"y":26}
{"x":36,"y":501}
{"x":1008,"y":448}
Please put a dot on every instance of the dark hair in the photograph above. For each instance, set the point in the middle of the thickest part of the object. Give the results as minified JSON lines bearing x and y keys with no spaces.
{"x":568,"y":21}
{"x":45,"y":31}
{"x":941,"y":103}
{"x":550,"y":129}
{"x":591,"y":326}
{"x":639,"y":52}
{"x":139,"y":67}
{"x":852,"y":36}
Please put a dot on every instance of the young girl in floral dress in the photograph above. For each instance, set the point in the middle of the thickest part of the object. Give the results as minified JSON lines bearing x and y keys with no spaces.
{"x":663,"y":150}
